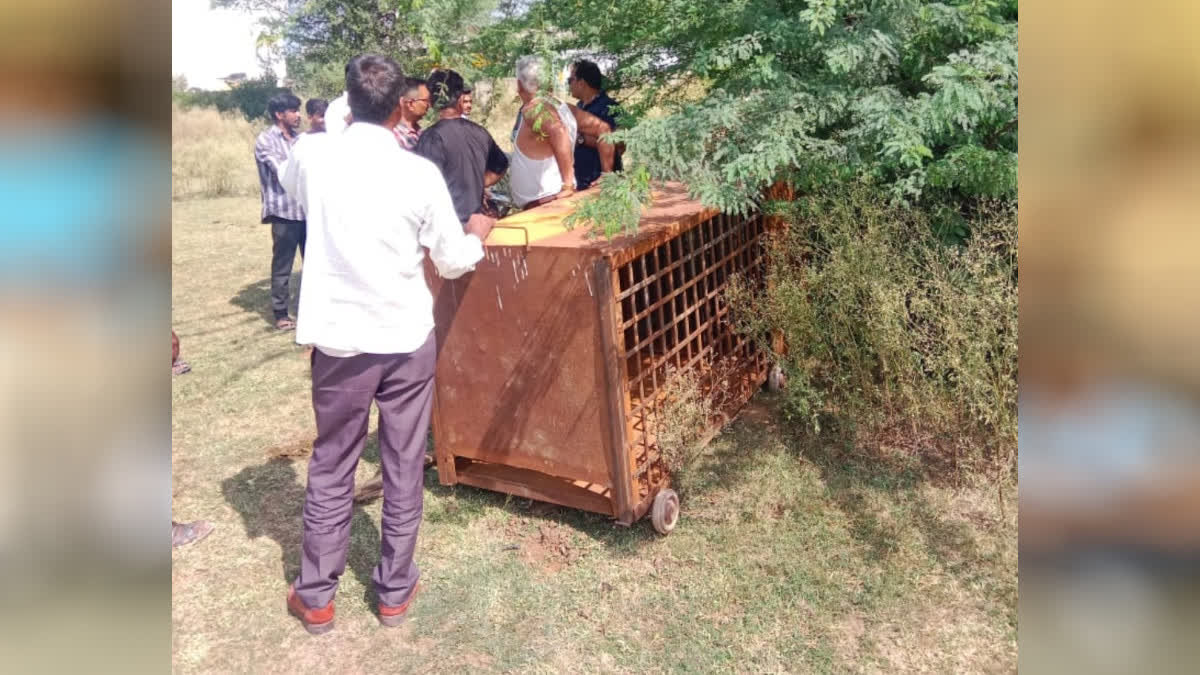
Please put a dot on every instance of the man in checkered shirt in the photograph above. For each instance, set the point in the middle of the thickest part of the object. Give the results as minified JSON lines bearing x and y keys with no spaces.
{"x":286,"y":216}
{"x":414,"y":103}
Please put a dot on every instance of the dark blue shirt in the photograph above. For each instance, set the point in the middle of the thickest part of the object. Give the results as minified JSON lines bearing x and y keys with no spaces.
{"x":587,"y":160}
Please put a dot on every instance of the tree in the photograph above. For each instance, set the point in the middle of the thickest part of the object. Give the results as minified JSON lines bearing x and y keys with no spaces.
{"x":179,"y":84}
{"x":249,"y":97}
{"x":318,"y":37}
{"x":916,"y":97}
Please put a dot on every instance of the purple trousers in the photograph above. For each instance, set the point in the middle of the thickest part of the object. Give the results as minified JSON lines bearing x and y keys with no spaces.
{"x":342,"y":390}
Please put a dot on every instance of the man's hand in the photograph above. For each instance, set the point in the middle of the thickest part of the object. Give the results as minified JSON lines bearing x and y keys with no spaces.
{"x":480,"y":225}
{"x":566,"y":191}
{"x":490,"y":178}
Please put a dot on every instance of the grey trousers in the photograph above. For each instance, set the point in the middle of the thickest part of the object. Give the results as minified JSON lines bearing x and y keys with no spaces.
{"x":342,"y":390}
{"x":286,"y":237}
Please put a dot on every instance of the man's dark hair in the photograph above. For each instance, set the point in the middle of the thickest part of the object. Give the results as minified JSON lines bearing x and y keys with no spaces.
{"x":588,"y":72}
{"x":282,"y":102}
{"x":316,"y":106}
{"x":373,"y":86}
{"x":445,"y":88}
{"x":412,"y":85}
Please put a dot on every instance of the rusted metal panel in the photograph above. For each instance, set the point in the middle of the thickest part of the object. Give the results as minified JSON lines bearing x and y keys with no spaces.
{"x":520,"y":375}
{"x":646,"y":502}
{"x":535,"y":485}
{"x":613,"y":351}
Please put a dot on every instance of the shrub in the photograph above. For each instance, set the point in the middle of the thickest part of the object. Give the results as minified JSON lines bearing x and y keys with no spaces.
{"x":889,"y":327}
{"x":212,"y":154}
{"x":249,"y":98}
{"x":682,"y":419}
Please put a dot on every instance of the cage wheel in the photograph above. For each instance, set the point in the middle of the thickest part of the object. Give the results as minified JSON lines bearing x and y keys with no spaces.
{"x":664,"y":514}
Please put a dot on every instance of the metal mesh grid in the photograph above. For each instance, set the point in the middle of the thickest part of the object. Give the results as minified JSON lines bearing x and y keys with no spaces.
{"x":674,"y":320}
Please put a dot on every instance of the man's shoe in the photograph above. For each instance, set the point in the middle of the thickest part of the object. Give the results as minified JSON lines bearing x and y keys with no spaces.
{"x":394,"y":616}
{"x":316,"y":621}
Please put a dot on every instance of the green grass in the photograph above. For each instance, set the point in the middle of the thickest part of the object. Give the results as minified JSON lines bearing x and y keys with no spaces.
{"x":790,"y":556}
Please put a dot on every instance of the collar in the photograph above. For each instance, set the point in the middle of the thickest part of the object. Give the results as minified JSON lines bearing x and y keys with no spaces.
{"x":279,"y":131}
{"x":600,"y":96}
{"x":367,"y":129}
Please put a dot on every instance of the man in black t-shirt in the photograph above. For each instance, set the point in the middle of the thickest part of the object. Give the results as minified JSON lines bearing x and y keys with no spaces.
{"x":465,"y":152}
{"x":584,"y":84}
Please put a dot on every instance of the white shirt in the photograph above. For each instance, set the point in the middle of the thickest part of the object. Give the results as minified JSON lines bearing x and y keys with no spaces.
{"x":335,"y":114}
{"x":372,"y":209}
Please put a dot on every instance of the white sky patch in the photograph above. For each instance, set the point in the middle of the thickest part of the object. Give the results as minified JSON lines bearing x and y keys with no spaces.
{"x":208,"y":44}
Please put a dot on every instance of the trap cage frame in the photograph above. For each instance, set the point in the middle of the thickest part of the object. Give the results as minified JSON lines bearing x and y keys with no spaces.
{"x":559,"y":353}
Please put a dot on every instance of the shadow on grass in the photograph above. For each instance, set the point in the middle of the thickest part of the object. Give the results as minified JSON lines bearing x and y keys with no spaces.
{"x":470,"y":503}
{"x":725,"y":467}
{"x":270,"y":499}
{"x":217,"y":330}
{"x":287,"y":351}
{"x":256,"y":299}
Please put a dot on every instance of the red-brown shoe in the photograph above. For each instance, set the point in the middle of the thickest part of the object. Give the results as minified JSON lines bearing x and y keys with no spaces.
{"x":394,"y":616}
{"x":316,"y":621}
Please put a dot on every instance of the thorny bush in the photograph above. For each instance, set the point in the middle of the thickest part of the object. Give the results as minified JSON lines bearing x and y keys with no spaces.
{"x":887,"y":327}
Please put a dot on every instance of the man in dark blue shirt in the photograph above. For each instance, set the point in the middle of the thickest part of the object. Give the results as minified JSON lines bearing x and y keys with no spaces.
{"x":584,"y":83}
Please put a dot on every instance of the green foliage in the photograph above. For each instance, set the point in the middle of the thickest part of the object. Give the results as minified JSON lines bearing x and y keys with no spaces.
{"x":885,"y":325}
{"x":317,"y":38}
{"x":623,"y":197}
{"x":919,"y":97}
{"x":976,"y":170}
{"x":249,"y":98}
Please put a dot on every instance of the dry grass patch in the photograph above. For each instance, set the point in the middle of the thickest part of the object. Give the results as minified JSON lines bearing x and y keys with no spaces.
{"x":212,"y":153}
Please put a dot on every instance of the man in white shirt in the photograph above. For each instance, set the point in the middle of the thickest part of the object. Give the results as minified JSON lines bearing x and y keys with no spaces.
{"x":336,"y":114}
{"x":374,"y":209}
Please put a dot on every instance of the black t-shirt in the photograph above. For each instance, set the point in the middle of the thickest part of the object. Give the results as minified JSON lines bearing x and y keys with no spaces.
{"x":587,"y":160}
{"x":462,"y":150}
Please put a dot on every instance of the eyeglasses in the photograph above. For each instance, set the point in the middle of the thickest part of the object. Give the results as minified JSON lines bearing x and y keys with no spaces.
{"x":425,"y":100}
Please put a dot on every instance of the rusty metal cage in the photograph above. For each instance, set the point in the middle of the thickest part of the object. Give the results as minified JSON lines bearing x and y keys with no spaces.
{"x":557,"y":354}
